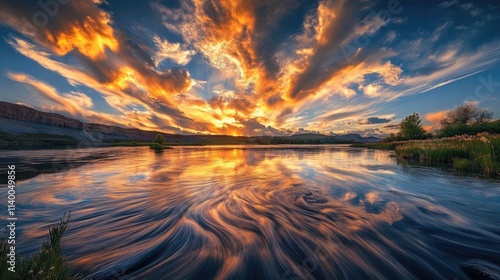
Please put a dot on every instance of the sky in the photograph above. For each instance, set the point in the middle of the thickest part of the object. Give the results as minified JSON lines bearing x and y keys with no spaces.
{"x":251,"y":67}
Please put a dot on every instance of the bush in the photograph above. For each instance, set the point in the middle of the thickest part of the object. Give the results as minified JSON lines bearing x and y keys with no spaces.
{"x":160,"y":139}
{"x":157,"y":147}
{"x":48,"y":263}
{"x":461,"y":129}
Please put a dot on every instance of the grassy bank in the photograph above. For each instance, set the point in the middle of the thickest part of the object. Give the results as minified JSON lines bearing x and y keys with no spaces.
{"x":478,"y":154}
{"x":35,"y":140}
{"x":144,"y":144}
{"x":377,"y":146}
{"x":48,"y":263}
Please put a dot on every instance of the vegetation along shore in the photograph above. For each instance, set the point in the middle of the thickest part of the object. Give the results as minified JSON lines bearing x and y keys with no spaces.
{"x":48,"y":263}
{"x":468,"y":141}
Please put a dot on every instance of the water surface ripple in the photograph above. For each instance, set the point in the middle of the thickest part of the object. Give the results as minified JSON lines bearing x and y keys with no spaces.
{"x":315,"y":212}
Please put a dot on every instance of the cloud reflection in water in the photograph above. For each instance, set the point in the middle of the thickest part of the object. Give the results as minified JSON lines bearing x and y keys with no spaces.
{"x":263,"y":213}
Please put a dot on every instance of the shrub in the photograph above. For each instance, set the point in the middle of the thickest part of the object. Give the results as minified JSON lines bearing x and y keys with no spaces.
{"x":160,"y":139}
{"x":461,"y":129}
{"x":48,"y":263}
{"x":157,"y":147}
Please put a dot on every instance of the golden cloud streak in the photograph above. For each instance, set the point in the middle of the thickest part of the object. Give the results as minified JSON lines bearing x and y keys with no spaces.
{"x":91,"y":37}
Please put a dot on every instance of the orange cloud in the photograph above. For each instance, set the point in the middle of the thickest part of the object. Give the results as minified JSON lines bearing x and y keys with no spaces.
{"x":224,"y":32}
{"x":172,"y":51}
{"x":434,"y":118}
{"x":91,"y":37}
{"x":79,"y":25}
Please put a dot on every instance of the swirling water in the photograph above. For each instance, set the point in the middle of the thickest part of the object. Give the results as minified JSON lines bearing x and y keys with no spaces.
{"x":263,"y":212}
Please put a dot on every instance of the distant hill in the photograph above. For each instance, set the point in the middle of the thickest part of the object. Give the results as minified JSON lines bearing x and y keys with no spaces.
{"x":18,"y":122}
{"x":309,"y":136}
{"x":19,"y":119}
{"x":356,"y":138}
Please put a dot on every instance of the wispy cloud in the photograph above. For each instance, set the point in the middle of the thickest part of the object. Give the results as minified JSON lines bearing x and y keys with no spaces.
{"x":171,"y":51}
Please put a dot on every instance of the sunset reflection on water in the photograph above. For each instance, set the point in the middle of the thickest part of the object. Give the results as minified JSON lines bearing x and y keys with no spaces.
{"x":263,"y":212}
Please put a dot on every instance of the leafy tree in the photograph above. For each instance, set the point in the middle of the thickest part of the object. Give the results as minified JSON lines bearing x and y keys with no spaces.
{"x":467,"y":114}
{"x":160,"y":139}
{"x":411,"y":127}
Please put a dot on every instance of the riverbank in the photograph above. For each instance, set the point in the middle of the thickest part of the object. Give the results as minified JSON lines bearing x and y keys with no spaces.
{"x":478,"y":154}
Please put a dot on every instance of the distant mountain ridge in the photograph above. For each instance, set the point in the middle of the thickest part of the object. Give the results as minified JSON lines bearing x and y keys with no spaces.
{"x":19,"y":119}
{"x":24,"y":113}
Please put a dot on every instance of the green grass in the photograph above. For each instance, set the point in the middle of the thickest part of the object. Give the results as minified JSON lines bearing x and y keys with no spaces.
{"x":477,"y":154}
{"x":378,"y":146}
{"x":48,"y":263}
{"x":35,"y":139}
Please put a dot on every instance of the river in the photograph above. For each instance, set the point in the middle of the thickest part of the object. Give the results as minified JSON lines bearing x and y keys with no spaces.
{"x":256,"y":212}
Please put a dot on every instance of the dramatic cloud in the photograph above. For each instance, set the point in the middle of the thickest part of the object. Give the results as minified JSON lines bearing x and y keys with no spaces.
{"x":250,"y":67}
{"x":84,"y":28}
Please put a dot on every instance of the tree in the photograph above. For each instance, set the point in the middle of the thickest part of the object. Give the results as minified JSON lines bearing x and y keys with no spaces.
{"x":483,"y":116}
{"x":160,"y":139}
{"x":411,"y":127}
{"x":467,"y":114}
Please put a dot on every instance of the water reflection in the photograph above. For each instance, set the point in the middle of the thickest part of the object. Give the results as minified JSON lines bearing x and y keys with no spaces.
{"x":263,"y":213}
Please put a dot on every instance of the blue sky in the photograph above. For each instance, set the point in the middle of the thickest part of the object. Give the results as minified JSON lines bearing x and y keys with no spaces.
{"x":251,"y":67}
